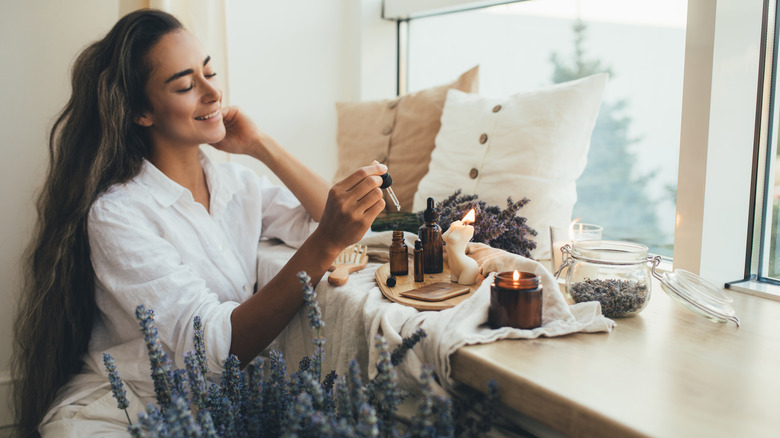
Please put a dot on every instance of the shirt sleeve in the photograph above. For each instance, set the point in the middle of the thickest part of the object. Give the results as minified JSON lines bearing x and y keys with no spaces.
{"x":284,"y":217}
{"x":135,"y":265}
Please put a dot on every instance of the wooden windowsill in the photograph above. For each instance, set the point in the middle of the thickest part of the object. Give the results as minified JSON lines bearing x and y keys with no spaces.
{"x":665,"y":372}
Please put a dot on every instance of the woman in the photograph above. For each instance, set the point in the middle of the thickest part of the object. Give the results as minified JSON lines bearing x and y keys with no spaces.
{"x":132,"y":212}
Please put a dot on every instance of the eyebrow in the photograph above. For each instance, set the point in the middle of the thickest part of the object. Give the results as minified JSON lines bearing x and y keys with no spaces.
{"x":189,"y":71}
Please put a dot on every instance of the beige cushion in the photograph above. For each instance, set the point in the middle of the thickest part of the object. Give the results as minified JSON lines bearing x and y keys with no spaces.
{"x":398,"y":132}
{"x":532,"y":145}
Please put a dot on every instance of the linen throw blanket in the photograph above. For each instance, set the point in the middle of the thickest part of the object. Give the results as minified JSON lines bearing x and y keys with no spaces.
{"x":355,"y":312}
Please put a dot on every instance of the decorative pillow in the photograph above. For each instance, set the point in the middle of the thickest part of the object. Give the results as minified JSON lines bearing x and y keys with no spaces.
{"x":398,"y":132}
{"x":532,"y":145}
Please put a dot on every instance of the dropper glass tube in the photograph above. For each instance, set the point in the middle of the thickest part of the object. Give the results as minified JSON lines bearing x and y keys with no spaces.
{"x":387,"y":181}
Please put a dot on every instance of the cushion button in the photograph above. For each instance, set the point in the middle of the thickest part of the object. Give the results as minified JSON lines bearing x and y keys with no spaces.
{"x":473,"y":173}
{"x":483,"y":139}
{"x":497,"y":108}
{"x":387,"y":131}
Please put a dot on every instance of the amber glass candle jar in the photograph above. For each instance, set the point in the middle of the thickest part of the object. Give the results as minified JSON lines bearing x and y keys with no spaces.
{"x":515,"y":300}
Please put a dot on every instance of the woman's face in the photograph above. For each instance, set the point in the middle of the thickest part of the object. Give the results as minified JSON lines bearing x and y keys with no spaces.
{"x":184,"y":94}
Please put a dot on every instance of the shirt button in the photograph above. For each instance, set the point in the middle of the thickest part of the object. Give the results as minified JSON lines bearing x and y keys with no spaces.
{"x":244,"y":288}
{"x":473,"y":173}
{"x":221,"y":247}
{"x":483,"y":138}
{"x":497,"y":108}
{"x":387,"y":131}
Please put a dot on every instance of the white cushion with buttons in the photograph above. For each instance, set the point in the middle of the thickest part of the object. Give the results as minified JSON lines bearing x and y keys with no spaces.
{"x":533,"y":144}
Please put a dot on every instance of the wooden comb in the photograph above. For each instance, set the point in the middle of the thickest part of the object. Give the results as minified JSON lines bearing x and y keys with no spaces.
{"x":352,"y":259}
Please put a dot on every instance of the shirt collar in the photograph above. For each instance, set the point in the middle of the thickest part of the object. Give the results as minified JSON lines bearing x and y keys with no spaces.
{"x":166,"y":191}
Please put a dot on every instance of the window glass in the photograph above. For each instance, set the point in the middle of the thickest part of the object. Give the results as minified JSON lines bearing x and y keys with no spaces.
{"x":629,"y":184}
{"x":770,"y":267}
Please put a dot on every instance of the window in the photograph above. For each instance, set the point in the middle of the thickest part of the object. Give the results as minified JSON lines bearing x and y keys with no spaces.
{"x":722,"y":50}
{"x":629,"y":185}
{"x":763,"y":265}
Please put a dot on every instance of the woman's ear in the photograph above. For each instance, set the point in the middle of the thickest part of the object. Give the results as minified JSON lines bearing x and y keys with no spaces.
{"x":143,"y":120}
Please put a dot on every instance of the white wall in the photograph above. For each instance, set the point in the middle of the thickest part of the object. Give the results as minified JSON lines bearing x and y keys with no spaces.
{"x":288,"y":63}
{"x":39,"y":42}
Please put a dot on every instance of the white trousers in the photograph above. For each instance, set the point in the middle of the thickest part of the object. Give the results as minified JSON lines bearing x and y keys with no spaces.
{"x":94,"y":415}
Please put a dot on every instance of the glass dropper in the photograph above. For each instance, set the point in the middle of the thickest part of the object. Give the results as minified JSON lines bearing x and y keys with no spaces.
{"x":387,"y":181}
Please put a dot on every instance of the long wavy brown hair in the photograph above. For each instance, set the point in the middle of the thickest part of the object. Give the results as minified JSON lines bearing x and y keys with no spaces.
{"x":93,"y":144}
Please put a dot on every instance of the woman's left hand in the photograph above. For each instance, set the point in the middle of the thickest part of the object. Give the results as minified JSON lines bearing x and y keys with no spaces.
{"x":242,"y":136}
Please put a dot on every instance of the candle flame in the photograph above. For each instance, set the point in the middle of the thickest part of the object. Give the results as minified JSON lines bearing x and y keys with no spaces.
{"x":470,"y":217}
{"x":515,"y":275}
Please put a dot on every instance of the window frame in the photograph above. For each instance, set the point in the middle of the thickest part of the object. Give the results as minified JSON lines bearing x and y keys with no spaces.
{"x":720,"y":126}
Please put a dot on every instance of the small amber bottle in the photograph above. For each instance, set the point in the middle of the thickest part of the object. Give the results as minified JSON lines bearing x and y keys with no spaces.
{"x":419,"y":261}
{"x":430,"y":235}
{"x":399,"y":255}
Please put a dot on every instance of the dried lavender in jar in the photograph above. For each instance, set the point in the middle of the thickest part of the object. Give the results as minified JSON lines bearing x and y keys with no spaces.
{"x":617,"y":297}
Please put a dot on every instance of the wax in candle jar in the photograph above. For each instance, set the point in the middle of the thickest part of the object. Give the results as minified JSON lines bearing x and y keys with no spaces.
{"x":515,"y":300}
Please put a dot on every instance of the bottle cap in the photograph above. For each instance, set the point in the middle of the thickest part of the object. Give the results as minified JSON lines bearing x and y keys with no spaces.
{"x":418,"y":244}
{"x":387,"y":181}
{"x":430,"y":214}
{"x":390,"y":281}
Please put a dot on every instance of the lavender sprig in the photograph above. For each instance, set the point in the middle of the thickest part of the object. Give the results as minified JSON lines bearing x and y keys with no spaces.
{"x":383,"y":390}
{"x":406,"y":344}
{"x":315,"y":321}
{"x":498,"y":228}
{"x":199,"y":342}
{"x":160,"y":364}
{"x":117,"y":387}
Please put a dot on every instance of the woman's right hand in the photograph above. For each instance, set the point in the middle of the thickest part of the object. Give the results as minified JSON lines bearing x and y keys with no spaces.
{"x":352,"y":206}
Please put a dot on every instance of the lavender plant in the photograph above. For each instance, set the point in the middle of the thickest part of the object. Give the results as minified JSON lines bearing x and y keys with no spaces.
{"x":502,"y":229}
{"x":263,"y":401}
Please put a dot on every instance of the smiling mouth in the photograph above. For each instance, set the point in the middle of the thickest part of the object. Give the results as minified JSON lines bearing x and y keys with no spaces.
{"x":209,"y":116}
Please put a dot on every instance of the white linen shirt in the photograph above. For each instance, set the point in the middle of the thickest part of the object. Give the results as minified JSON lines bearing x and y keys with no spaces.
{"x":152,"y":244}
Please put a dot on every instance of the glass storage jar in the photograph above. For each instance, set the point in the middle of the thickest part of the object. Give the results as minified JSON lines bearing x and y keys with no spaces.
{"x":616,"y":274}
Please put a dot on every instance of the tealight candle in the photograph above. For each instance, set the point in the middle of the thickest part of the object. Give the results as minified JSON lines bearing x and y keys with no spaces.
{"x":575,"y":232}
{"x":463,"y":269}
{"x":515,"y":300}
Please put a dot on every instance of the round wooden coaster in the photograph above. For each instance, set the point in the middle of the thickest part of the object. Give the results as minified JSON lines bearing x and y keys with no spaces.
{"x":406,"y":282}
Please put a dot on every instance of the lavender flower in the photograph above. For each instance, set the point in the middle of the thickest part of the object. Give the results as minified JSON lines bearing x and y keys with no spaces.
{"x":117,"y":387}
{"x":310,"y":296}
{"x":406,"y":344}
{"x":232,"y":380}
{"x":180,"y":420}
{"x":254,"y":403}
{"x":200,"y":345}
{"x":422,"y":424}
{"x":315,"y":321}
{"x":383,"y":391}
{"x":196,"y":380}
{"x":367,"y":425}
{"x":498,"y":228}
{"x":158,"y":359}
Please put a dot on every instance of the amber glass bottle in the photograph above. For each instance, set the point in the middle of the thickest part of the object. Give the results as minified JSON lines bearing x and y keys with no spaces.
{"x":399,"y":255}
{"x":419,"y":261}
{"x":430,"y":235}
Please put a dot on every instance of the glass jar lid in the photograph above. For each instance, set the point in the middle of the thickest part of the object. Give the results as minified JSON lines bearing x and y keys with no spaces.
{"x":697,"y":294}
{"x":609,"y":252}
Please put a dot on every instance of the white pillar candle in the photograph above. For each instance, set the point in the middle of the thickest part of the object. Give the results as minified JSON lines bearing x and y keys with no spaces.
{"x":463,"y":269}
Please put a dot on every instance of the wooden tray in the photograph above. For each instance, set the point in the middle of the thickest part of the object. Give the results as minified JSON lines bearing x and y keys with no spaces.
{"x":406,"y":282}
